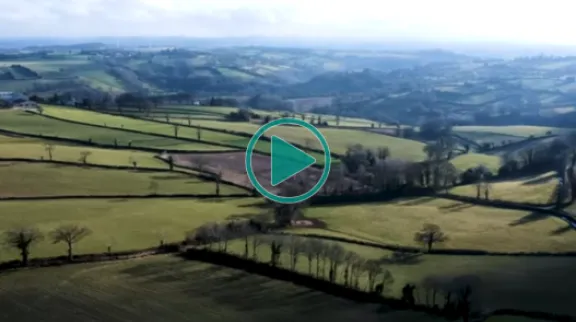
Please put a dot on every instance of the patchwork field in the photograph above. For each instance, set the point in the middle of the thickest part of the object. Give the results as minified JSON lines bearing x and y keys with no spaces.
{"x":504,"y":281}
{"x":338,"y":139}
{"x":468,"y":226}
{"x":470,"y":160}
{"x":537,"y":189}
{"x":20,"y":179}
{"x":27,"y":123}
{"x":123,"y":224}
{"x":171,"y":289}
{"x":513,"y":130}
{"x":11,"y":147}
{"x":233,"y":169}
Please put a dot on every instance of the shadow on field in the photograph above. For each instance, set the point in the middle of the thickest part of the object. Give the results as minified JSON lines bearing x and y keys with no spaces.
{"x":168,"y":177}
{"x":235,"y":290}
{"x":415,"y":201}
{"x":540,"y":180}
{"x":456,"y":207}
{"x":561,"y":230}
{"x":530,"y":218}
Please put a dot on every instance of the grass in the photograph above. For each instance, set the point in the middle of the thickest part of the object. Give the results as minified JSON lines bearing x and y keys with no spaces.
{"x":511,"y":276}
{"x":469,"y":160}
{"x":43,"y":179}
{"x":123,"y":224}
{"x":537,"y":189}
{"x":468,"y":226}
{"x":27,"y":148}
{"x":165,"y":288}
{"x":489,"y":137}
{"x":513,"y":130}
{"x":35,"y":124}
{"x":89,"y":117}
{"x":338,"y":139}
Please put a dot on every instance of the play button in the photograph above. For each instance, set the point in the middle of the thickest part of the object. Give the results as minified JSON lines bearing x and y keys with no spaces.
{"x":286,"y":161}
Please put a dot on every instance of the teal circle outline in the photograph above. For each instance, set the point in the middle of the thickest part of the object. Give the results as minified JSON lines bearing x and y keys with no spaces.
{"x":250,"y":153}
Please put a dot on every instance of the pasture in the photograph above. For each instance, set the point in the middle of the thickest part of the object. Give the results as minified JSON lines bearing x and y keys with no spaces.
{"x":21,"y":179}
{"x":538,"y":189}
{"x":466,"y":161}
{"x":504,"y":281}
{"x":171,"y":289}
{"x":338,"y":139}
{"x":468,"y":226}
{"x":513,"y":130}
{"x":25,"y":148}
{"x":122,"y":224}
{"x":27,"y":123}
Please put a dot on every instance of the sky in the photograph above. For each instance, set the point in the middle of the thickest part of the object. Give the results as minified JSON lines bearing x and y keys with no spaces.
{"x":528,"y":21}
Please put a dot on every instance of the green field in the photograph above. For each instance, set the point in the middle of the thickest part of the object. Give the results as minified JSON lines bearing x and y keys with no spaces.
{"x":537,"y":189}
{"x":468,"y":226}
{"x":169,"y":289}
{"x":471,"y":160}
{"x":20,"y":179}
{"x":338,"y":139}
{"x":513,"y":130}
{"x":26,"y":148}
{"x":507,"y":276}
{"x":27,"y":123}
{"x":123,"y":224}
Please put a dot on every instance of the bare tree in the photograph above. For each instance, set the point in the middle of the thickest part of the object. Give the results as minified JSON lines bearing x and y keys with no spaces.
{"x":84,"y":156}
{"x":198,"y":133}
{"x":69,"y":234}
{"x":22,"y":239}
{"x":153,"y":187}
{"x":295,"y":248}
{"x":385,"y":284}
{"x":218,"y":180}
{"x":349,"y":260}
{"x":373,"y":269}
{"x":133,"y":161}
{"x":257,"y":240}
{"x":308,"y":143}
{"x":49,"y":147}
{"x":176,"y":128}
{"x":429,"y":235}
{"x":336,"y":255}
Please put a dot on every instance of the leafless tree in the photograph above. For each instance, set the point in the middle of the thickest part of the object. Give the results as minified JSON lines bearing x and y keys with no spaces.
{"x":295,"y":248}
{"x":218,"y":180}
{"x":386,"y":281}
{"x":49,"y":147}
{"x":257,"y":240}
{"x":84,"y":156}
{"x":336,"y":255}
{"x":198,"y":133}
{"x":23,"y":239}
{"x":153,"y":187}
{"x":373,"y":269}
{"x":308,"y":143}
{"x":176,"y":128}
{"x":276,"y":244}
{"x":70,"y":235}
{"x":429,"y":235}
{"x":316,"y":247}
{"x":133,"y":161}
{"x":349,"y":260}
